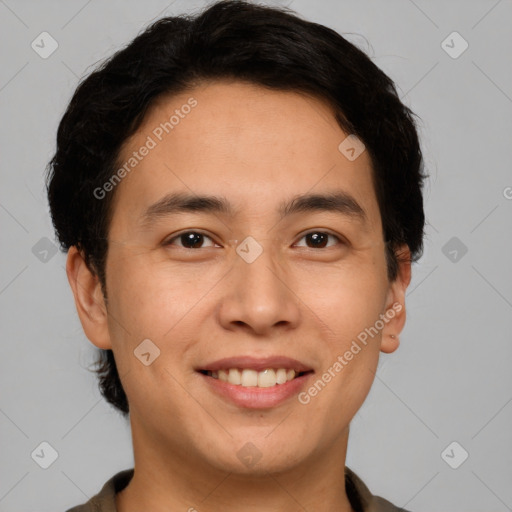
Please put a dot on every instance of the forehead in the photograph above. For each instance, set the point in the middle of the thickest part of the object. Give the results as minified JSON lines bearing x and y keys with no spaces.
{"x":256,"y":146}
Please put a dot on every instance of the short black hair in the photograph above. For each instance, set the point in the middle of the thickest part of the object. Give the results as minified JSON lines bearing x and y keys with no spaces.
{"x":234,"y":40}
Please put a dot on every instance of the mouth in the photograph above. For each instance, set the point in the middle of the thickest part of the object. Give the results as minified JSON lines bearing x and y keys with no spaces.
{"x":249,"y":378}
{"x":256,"y":383}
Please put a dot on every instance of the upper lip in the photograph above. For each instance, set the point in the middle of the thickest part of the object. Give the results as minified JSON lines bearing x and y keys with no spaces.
{"x":256,"y":363}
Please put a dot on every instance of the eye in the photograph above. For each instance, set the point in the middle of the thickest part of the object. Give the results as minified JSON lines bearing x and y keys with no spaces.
{"x":319,"y":239}
{"x":195,"y":240}
{"x":189,"y":240}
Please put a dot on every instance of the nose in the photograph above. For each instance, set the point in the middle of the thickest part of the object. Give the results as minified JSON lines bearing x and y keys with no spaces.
{"x":259,"y":296}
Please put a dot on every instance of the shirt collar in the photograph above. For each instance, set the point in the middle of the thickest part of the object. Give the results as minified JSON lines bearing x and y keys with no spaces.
{"x":360,"y":497}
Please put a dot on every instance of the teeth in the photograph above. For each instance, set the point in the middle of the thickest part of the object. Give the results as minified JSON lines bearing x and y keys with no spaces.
{"x":281,"y":376}
{"x":251,"y":378}
{"x":234,"y":376}
{"x":267,"y":378}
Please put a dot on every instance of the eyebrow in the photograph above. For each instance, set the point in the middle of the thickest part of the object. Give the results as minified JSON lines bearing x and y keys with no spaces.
{"x":182,"y":202}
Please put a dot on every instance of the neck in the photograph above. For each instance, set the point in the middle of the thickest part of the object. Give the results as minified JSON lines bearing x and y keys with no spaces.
{"x":167,"y":479}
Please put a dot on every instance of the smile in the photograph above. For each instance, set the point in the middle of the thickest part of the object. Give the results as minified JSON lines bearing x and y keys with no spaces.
{"x":251,"y":378}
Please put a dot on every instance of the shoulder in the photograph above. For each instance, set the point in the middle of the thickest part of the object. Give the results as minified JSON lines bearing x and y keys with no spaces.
{"x":362,"y":500}
{"x":105,"y":500}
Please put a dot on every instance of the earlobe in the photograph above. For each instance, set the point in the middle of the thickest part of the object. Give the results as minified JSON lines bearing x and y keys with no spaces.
{"x":389,"y":343}
{"x":89,"y":300}
{"x":395,"y":303}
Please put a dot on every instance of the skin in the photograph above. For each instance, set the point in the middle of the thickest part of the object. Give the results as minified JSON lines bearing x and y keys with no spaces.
{"x":257,"y":147}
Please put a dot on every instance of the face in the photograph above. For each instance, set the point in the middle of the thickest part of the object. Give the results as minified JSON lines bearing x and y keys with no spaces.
{"x":273,"y":279}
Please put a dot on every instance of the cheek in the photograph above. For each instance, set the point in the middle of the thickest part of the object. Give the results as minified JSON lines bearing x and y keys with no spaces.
{"x":342,"y":385}
{"x":150,"y":304}
{"x":149,"y":297}
{"x":348,"y":299}
{"x":160,"y":302}
{"x":349,"y":307}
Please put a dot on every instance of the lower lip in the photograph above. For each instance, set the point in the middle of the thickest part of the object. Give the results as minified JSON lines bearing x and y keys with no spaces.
{"x":255,"y":397}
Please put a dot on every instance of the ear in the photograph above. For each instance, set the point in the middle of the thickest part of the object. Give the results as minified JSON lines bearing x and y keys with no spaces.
{"x":89,"y":300}
{"x":395,"y":313}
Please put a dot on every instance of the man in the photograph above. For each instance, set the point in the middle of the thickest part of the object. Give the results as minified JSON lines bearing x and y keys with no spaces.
{"x":239,"y":194}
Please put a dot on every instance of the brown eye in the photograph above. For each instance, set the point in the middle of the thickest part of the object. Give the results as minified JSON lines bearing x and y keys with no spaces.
{"x":318,"y":239}
{"x":189,"y":240}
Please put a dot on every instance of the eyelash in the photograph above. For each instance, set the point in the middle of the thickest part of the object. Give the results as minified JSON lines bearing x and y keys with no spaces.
{"x":170,"y":240}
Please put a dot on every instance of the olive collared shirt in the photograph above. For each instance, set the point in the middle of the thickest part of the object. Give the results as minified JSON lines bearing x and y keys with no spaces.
{"x":360,"y":497}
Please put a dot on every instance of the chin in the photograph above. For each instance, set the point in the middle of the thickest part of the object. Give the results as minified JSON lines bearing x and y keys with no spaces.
{"x":258,"y":455}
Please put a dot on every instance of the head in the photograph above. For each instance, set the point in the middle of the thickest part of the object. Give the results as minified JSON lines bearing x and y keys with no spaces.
{"x":249,"y":105}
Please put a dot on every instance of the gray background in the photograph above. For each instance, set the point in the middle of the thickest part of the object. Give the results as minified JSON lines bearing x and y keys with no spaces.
{"x":450,"y":379}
